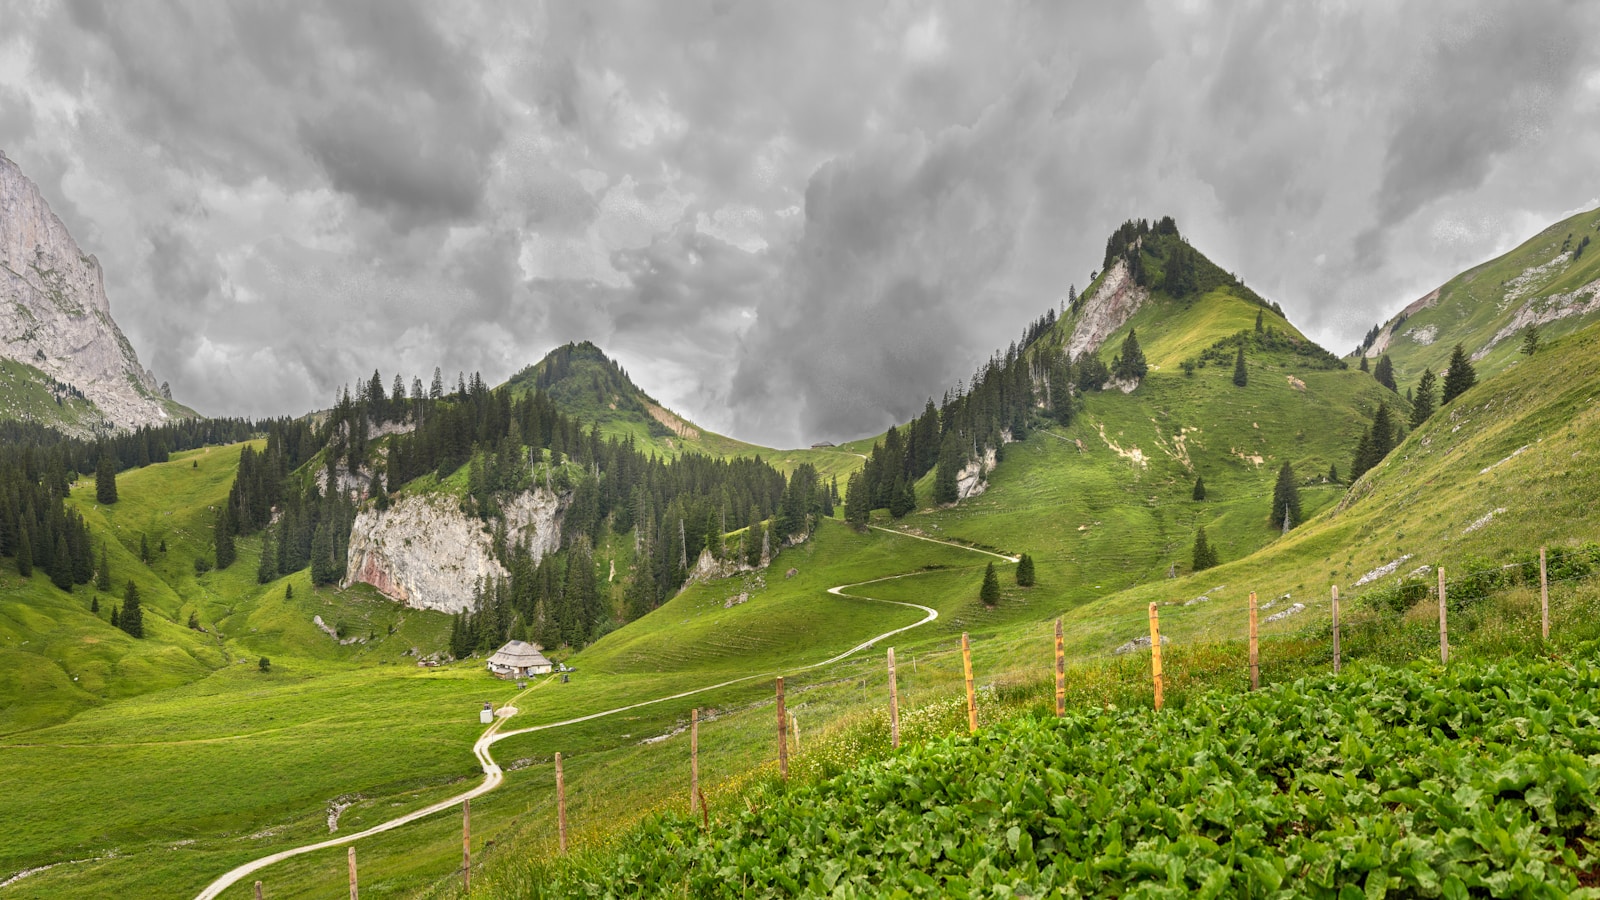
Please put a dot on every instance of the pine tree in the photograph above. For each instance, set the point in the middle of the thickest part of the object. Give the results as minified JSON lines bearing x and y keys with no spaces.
{"x":1286,"y":499}
{"x":1460,"y":378}
{"x":1333,"y":473}
{"x":223,"y":536}
{"x":1383,"y":373}
{"x":1204,"y":556}
{"x":990,"y":592}
{"x":1259,"y":322}
{"x":1362,"y":460}
{"x":132,"y":620}
{"x":1025,"y":571}
{"x":24,"y":554}
{"x":144,"y":550}
{"x":61,"y":572}
{"x":1364,"y":366}
{"x":1199,"y":488}
{"x":1240,"y":377}
{"x":946,"y":488}
{"x":1383,"y":433}
{"x":268,"y":569}
{"x":1422,"y":403}
{"x":1530,"y":340}
{"x":855,"y":501}
{"x":116,"y":616}
{"x":1130,"y":364}
{"x":94,"y":604}
{"x":105,"y":480}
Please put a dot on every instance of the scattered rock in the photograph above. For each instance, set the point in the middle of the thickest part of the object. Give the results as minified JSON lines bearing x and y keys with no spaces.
{"x":791,"y":573}
{"x":1483,"y":520}
{"x":1293,"y":610}
{"x":1381,"y":571}
{"x":1140,"y":642}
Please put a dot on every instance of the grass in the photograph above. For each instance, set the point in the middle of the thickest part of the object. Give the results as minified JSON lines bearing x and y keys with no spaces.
{"x":26,"y":394}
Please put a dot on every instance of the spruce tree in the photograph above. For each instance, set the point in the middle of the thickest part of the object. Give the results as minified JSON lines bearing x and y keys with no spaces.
{"x":1240,"y":376}
{"x":1364,"y":366}
{"x":1025,"y":571}
{"x":1461,"y":376}
{"x":132,"y":620}
{"x":1422,"y":403}
{"x":116,"y":616}
{"x":94,"y":604}
{"x":990,"y":592}
{"x":1333,"y":473}
{"x":1530,"y":340}
{"x":855,"y":501}
{"x":268,"y":569}
{"x":144,"y":550}
{"x":223,"y":537}
{"x":61,"y":571}
{"x":1130,"y":364}
{"x":1383,"y":433}
{"x":1362,"y":460}
{"x":1259,"y":322}
{"x":1199,"y":488}
{"x":1286,"y":499}
{"x":105,"y":480}
{"x":24,"y":554}
{"x":1204,"y":556}
{"x":1383,"y":373}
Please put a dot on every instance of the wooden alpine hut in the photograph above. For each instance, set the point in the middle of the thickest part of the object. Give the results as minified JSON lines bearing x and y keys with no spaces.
{"x":519,"y":659}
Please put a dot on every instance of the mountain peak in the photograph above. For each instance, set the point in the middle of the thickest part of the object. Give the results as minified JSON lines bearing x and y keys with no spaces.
{"x":56,"y":325}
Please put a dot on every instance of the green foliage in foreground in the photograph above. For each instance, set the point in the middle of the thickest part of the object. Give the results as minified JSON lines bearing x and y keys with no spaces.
{"x":1416,"y":781}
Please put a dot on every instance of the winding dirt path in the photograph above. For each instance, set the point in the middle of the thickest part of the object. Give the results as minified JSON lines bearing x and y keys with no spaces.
{"x":492,"y":774}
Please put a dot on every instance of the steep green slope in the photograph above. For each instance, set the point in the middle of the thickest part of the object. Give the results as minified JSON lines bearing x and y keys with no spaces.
{"x":1552,"y":280}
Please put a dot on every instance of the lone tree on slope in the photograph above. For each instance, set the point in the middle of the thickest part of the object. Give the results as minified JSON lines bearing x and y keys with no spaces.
{"x":1130,"y":364}
{"x":1240,"y":376}
{"x":1461,"y":376}
{"x":1205,"y":556}
{"x":1025,"y":571}
{"x":990,"y":592}
{"x":1422,"y":404}
{"x":1286,"y":499}
{"x":1199,"y":488}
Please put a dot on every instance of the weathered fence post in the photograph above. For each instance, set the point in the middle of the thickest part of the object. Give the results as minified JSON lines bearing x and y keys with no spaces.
{"x":1155,"y":651}
{"x":466,"y":846}
{"x":1255,"y":652}
{"x":1544,"y":597}
{"x":694,"y":756}
{"x":354,"y":893}
{"x":1444,"y":631}
{"x":1061,"y":672}
{"x":894,"y":705}
{"x":258,"y":890}
{"x":561,"y":806}
{"x":1336,"y":629}
{"x":972,"y":700}
{"x":783,"y":735}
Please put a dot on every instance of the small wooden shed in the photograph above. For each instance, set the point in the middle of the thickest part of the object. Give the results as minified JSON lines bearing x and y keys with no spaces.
{"x":519,"y":659}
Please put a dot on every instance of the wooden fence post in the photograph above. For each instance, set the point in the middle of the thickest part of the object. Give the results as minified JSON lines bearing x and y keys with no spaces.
{"x":258,"y":890}
{"x":1061,"y":672}
{"x":894,"y":705}
{"x":783,"y":735}
{"x":1444,"y":631}
{"x":694,"y":756}
{"x":561,"y":806}
{"x":972,"y":700}
{"x":354,"y":894}
{"x":1155,"y":651}
{"x":466,"y":846}
{"x":1544,"y":597}
{"x":1336,"y":629}
{"x":1255,"y":651}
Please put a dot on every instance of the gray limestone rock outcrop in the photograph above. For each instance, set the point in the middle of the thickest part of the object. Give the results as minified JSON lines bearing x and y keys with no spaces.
{"x":1113,"y":303}
{"x":54,"y":314}
{"x":426,"y":553}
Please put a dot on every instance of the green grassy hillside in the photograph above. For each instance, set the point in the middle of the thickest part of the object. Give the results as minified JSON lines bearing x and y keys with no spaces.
{"x":1482,"y":307}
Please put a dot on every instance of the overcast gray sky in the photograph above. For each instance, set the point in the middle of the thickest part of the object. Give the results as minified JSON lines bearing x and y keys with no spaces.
{"x":789,"y":221}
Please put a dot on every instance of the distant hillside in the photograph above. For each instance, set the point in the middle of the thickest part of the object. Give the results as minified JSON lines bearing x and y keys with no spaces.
{"x":68,"y":364}
{"x":1551,"y":281}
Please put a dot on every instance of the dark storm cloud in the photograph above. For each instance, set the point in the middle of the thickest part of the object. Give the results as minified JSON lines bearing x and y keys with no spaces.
{"x":792,"y":221}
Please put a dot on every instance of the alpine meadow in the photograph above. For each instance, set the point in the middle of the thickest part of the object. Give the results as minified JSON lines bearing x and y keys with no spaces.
{"x":1120,"y":585}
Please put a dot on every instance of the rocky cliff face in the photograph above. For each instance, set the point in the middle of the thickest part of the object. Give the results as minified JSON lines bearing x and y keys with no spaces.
{"x":54,"y":315}
{"x":1113,"y":303}
{"x":424,"y":552}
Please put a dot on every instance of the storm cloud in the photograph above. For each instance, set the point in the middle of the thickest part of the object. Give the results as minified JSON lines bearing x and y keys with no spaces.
{"x":789,"y":221}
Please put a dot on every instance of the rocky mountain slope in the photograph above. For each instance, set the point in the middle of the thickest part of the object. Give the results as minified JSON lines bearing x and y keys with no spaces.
{"x":56,"y":325}
{"x":1551,"y":281}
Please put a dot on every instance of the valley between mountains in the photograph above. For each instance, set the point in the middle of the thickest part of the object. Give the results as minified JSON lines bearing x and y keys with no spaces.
{"x":234,"y":648}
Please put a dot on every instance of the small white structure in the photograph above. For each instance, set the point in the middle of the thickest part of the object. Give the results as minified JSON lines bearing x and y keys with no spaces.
{"x":519,"y":659}
{"x":486,"y":715}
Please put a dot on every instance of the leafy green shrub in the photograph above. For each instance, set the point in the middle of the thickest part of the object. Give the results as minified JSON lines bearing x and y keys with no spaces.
{"x":1563,"y":563}
{"x":1477,"y":579}
{"x":1399,"y":596}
